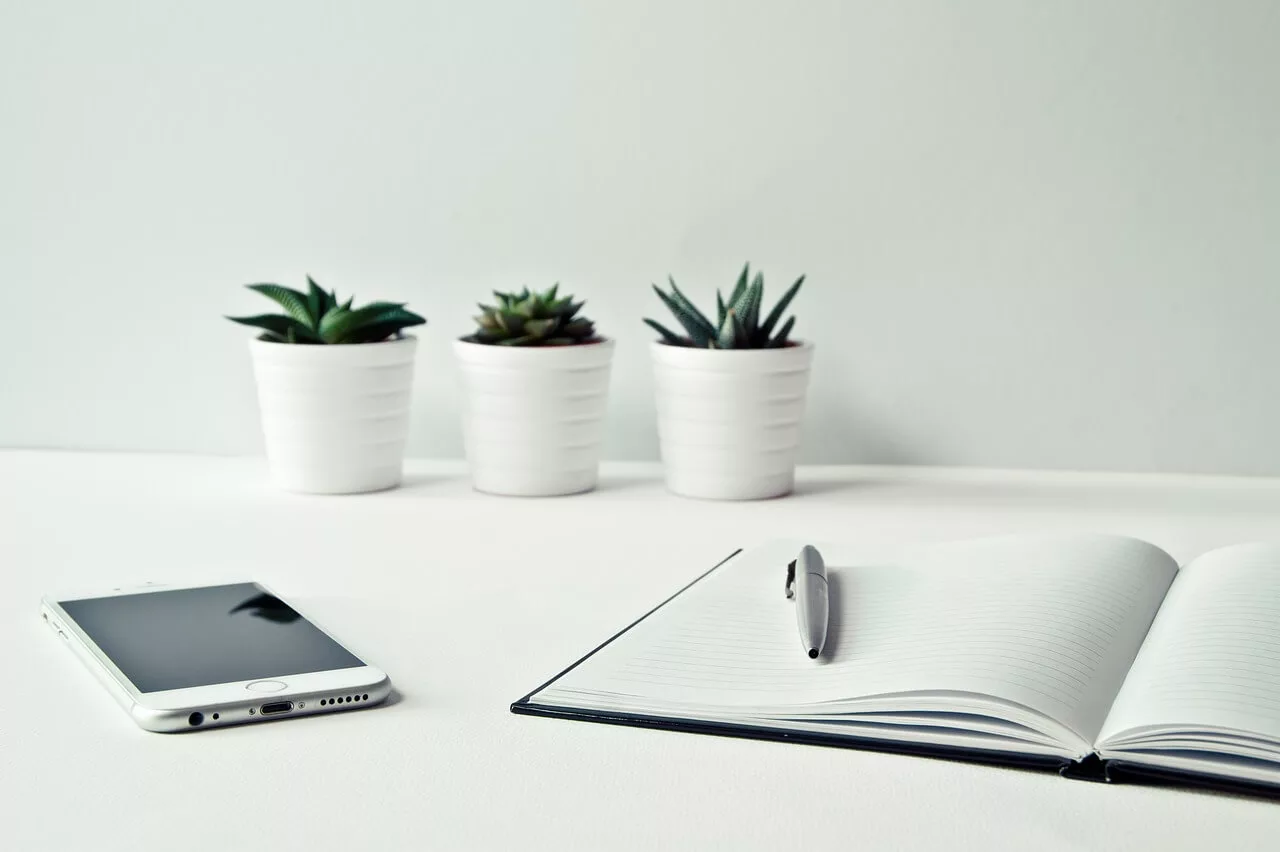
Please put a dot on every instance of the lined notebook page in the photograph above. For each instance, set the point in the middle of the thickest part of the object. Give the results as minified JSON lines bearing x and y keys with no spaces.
{"x":1212,"y":658}
{"x":1049,"y":622}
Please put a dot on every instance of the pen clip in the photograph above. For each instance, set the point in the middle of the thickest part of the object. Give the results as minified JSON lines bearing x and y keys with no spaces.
{"x":791,"y":579}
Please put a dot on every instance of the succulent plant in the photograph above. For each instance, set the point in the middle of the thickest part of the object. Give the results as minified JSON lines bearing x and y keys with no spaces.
{"x":738,"y":324}
{"x":532,"y":319}
{"x":318,"y":317}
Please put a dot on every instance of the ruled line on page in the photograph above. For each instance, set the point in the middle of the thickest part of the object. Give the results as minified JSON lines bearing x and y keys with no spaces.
{"x":1212,"y":658}
{"x":1052,"y":624}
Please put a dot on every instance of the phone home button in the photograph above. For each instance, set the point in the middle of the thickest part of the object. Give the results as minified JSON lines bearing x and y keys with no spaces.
{"x":266,"y":686}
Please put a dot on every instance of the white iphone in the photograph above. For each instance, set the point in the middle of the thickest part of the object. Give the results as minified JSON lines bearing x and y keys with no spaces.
{"x":188,"y":659}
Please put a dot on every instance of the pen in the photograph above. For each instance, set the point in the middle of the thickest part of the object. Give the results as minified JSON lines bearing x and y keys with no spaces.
{"x":807,"y":583}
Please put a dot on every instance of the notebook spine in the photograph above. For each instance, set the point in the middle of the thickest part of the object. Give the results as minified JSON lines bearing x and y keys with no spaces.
{"x":1089,"y":768}
{"x":1124,"y":772}
{"x":725,"y":729}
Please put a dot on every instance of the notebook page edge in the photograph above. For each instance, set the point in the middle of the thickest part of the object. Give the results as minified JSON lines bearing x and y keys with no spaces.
{"x":1202,"y":588}
{"x":527,"y":699}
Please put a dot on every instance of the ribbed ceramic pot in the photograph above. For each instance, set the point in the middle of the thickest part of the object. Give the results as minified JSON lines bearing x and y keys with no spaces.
{"x":729,"y":419}
{"x":533,"y":416}
{"x":335,"y":418}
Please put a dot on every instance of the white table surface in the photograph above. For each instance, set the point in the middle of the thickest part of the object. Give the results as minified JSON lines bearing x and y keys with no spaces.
{"x":401,"y":574}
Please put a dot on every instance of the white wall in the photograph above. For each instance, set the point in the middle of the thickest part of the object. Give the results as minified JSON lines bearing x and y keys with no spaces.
{"x":1036,"y":233}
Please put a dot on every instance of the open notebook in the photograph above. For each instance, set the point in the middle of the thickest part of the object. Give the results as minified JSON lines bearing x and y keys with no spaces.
{"x":1094,"y":654}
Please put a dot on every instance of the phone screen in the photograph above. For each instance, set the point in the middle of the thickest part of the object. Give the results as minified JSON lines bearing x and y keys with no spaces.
{"x":197,"y":637}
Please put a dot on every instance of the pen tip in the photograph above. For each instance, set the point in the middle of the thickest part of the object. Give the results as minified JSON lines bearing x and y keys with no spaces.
{"x":813,"y":653}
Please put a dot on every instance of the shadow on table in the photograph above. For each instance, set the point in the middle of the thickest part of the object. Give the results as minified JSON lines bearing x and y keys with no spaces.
{"x":628,"y":482}
{"x":422,"y":481}
{"x":807,"y":489}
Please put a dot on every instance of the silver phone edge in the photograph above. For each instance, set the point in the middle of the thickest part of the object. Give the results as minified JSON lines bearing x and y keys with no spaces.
{"x":174,"y":720}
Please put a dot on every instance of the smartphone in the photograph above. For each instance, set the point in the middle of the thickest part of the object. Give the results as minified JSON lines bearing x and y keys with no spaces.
{"x":193,"y":658}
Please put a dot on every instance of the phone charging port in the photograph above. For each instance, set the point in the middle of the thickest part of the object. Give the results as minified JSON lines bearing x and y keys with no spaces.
{"x":276,"y":707}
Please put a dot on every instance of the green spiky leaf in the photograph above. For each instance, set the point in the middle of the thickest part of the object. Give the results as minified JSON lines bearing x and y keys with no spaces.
{"x":695,"y":326}
{"x":727,"y":337}
{"x":738,"y":324}
{"x":751,"y":320}
{"x":510,"y":321}
{"x":741,"y":285}
{"x":684,"y":302}
{"x":317,"y":317}
{"x":747,"y":305}
{"x":668,"y":335}
{"x":530,"y":318}
{"x":766,"y":328}
{"x":781,"y":340}
{"x":741,"y":339}
{"x":293,"y":302}
{"x":317,"y":302}
{"x":541,"y":327}
{"x":381,"y":322}
{"x":579,"y":328}
{"x":279,"y":325}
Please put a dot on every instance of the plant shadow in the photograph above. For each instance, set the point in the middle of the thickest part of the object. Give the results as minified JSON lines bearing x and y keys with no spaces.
{"x":414,"y":481}
{"x":627,"y":482}
{"x":820,"y":487}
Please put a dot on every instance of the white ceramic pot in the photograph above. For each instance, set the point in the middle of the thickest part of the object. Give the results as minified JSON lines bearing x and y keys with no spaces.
{"x":729,"y":419}
{"x":533,"y":416}
{"x":335,"y":418}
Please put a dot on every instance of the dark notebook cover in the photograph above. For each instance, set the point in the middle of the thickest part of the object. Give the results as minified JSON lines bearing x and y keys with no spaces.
{"x":1089,"y":769}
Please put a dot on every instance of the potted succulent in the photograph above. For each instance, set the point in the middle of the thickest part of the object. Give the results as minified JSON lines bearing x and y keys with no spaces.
{"x":536,"y":381}
{"x":730,"y":394}
{"x":334,"y":384}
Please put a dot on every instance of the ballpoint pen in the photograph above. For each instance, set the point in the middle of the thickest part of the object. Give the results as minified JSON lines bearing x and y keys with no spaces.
{"x":807,"y":583}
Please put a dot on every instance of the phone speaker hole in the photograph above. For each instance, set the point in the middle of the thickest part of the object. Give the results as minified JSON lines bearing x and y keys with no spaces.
{"x":215,"y":717}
